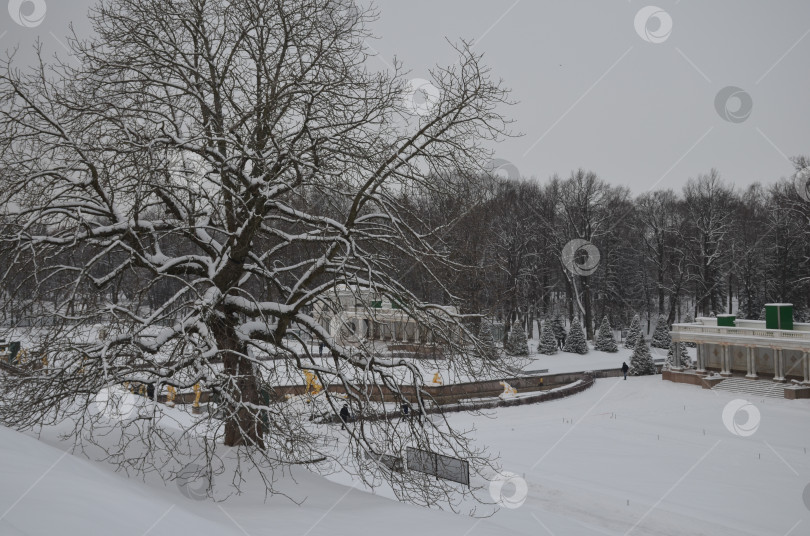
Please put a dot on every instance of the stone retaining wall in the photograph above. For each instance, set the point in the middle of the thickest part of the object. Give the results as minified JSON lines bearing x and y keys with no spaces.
{"x":692,"y":378}
{"x":441,"y":394}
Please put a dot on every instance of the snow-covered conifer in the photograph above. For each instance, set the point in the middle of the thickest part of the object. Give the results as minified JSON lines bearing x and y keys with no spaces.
{"x":633,"y":332}
{"x":517,"y":343}
{"x":661,"y":337}
{"x":548,"y":342}
{"x":487,"y":341}
{"x":641,"y":362}
{"x":604,"y":339}
{"x":575,"y":342}
{"x":558,"y":327}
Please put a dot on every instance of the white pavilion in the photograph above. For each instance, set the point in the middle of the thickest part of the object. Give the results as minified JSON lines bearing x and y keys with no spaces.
{"x":776,"y":348}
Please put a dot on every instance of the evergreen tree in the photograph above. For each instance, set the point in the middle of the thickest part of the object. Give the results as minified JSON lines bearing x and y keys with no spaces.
{"x":487,"y":341}
{"x":633,"y":332}
{"x":548,"y":342}
{"x":575,"y":342}
{"x":661,"y":337}
{"x":558,"y":327}
{"x":517,"y":343}
{"x":604,"y":339}
{"x":641,"y":362}
{"x":683,"y":361}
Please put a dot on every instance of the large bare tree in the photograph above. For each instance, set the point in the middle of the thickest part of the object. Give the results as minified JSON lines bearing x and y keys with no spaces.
{"x":199,"y":176}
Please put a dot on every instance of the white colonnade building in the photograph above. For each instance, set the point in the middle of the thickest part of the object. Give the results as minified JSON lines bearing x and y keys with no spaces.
{"x":352,"y":315}
{"x":776,"y":348}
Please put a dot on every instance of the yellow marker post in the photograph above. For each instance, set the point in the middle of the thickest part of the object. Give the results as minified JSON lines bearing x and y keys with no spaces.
{"x":437,"y":379}
{"x":197,"y":393}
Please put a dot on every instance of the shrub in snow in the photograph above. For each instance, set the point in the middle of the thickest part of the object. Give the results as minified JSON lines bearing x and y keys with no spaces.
{"x":633,"y":332}
{"x":604,"y":339}
{"x":575,"y":342}
{"x":517,"y":343}
{"x":641,"y":362}
{"x":661,"y":337}
{"x":548,"y":342}
{"x":487,"y":341}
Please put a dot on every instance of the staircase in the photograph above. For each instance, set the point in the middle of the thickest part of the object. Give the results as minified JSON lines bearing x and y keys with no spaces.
{"x":755,"y":388}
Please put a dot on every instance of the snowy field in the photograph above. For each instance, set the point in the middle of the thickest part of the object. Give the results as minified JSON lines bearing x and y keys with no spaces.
{"x":625,"y":457}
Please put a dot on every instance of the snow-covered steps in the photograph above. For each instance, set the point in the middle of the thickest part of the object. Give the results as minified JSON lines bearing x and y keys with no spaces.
{"x":755,"y":388}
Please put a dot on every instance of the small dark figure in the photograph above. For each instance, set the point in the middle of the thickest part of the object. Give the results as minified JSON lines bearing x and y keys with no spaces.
{"x":625,"y":368}
{"x":344,"y":416}
{"x":320,"y":349}
{"x":562,"y":342}
{"x":405,"y":410}
{"x":150,"y":391}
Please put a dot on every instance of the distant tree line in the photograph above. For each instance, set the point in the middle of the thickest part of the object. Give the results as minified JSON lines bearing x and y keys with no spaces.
{"x":710,"y":248}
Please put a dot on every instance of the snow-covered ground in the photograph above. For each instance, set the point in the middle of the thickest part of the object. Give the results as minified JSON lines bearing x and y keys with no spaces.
{"x":644,"y":456}
{"x":563,"y":362}
{"x":640,"y":456}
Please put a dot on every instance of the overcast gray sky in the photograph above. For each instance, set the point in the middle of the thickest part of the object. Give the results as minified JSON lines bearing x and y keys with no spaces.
{"x":597,"y":89}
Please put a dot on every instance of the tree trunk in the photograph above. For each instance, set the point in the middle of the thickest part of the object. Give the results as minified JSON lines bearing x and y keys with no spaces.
{"x":730,"y":290}
{"x":586,"y":303}
{"x":507,"y":324}
{"x":243,"y":426}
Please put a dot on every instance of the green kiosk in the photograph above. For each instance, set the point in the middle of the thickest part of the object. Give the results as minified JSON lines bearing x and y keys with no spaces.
{"x":779,"y":316}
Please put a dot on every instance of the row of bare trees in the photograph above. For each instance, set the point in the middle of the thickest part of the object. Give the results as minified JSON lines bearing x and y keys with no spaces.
{"x":707,"y":249}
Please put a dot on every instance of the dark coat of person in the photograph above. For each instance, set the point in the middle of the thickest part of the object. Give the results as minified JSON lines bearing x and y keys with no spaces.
{"x":625,"y":368}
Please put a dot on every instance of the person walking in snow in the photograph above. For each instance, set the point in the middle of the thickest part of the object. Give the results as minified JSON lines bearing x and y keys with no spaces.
{"x":344,"y":416}
{"x":562,"y":341}
{"x":625,"y":368}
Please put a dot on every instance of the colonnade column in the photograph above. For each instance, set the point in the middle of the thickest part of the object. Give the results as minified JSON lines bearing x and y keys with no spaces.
{"x":725,"y":369}
{"x":701,"y":357}
{"x":778,"y":365}
{"x":806,"y":366}
{"x":676,"y":356}
{"x":751,"y":358}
